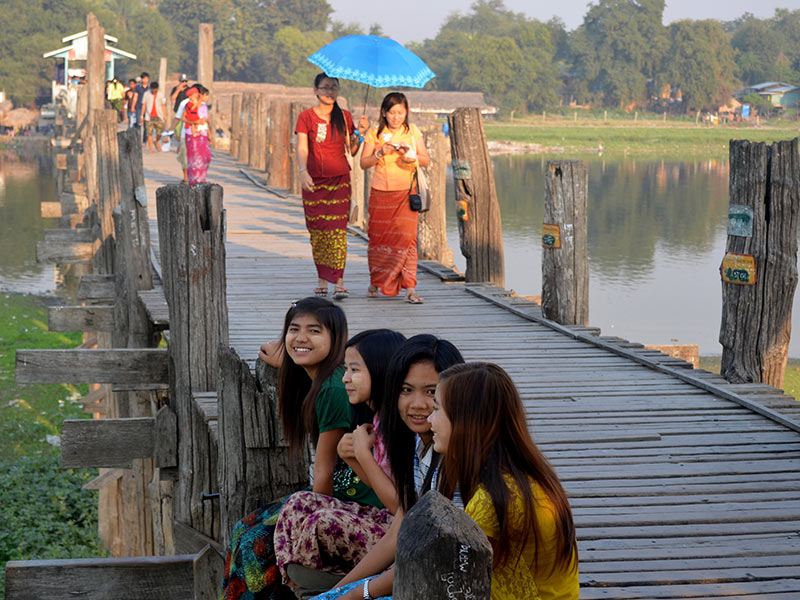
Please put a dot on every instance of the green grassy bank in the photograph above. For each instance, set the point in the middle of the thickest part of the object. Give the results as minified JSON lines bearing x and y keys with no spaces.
{"x":791,"y":381}
{"x":671,"y":138}
{"x":45,"y":511}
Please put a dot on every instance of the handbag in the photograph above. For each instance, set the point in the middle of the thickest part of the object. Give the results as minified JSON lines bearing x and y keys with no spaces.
{"x":421,"y":200}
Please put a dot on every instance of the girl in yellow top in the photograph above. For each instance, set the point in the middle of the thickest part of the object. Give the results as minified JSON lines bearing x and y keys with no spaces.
{"x":395,"y":148}
{"x":514,"y":494}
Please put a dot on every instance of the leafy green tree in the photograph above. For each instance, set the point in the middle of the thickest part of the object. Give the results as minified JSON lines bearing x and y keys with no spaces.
{"x":503,"y":54}
{"x":768,"y":49}
{"x":700,"y":61}
{"x":618,"y":48}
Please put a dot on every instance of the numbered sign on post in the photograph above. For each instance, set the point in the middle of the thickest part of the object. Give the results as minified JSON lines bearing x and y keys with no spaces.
{"x":739,"y":269}
{"x":551,"y":235}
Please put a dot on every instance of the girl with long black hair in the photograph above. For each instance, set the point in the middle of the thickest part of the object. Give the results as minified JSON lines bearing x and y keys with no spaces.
{"x":313,"y":407}
{"x":324,"y":134}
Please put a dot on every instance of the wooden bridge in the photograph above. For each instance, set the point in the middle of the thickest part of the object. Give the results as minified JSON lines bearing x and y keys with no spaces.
{"x":682,"y":485}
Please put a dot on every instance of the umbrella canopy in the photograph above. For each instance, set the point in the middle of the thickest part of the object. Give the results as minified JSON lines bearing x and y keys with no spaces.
{"x":373,"y":60}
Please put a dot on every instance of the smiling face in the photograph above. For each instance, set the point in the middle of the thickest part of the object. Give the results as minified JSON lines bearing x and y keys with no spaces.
{"x":440,"y":424}
{"x":396,"y":116}
{"x":307,"y":342}
{"x":327,"y":90}
{"x":415,"y":402}
{"x":356,"y":379}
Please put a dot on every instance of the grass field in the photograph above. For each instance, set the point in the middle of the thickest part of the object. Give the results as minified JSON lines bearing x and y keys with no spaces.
{"x":673,"y":138}
{"x":45,"y":511}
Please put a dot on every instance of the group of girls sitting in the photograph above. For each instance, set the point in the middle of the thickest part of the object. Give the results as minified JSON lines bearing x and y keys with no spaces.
{"x":390,"y":418}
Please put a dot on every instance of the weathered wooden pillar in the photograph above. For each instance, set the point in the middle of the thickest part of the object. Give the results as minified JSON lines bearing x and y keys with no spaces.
{"x":565,"y":260}
{"x":479,"y":225}
{"x":262,"y":137}
{"x":108,"y":188}
{"x":236,"y":120}
{"x":296,"y":109}
{"x":95,"y":63}
{"x":759,"y":271}
{"x":205,"y":72}
{"x":441,"y":553}
{"x":255,"y":466}
{"x":191,"y":227}
{"x":245,"y":128}
{"x":162,"y":87}
{"x":280,"y":144}
{"x":258,"y":130}
{"x":432,"y":231}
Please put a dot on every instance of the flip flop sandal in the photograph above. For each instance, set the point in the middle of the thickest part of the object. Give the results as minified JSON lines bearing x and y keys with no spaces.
{"x":340,"y":293}
{"x":414,"y":299}
{"x":321,"y":292}
{"x":372,"y":292}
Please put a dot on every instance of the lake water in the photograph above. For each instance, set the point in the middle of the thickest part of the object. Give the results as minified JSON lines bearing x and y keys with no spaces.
{"x":657,"y":232}
{"x":656,"y":236}
{"x":25,"y":182}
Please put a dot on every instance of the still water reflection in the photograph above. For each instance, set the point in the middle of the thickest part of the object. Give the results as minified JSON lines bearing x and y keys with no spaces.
{"x":657,"y":233}
{"x":25,"y":182}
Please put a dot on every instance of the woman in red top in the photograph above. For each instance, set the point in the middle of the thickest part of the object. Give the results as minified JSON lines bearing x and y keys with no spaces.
{"x":324,"y":134}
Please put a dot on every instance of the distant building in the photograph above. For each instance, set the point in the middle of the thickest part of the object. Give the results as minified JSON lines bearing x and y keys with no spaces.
{"x":441,"y":104}
{"x":780,"y":95}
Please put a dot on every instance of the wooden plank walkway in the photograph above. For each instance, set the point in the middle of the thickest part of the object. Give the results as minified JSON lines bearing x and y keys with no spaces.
{"x":677,"y":493}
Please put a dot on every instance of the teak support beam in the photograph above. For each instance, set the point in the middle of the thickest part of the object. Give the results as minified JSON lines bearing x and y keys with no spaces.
{"x":112,"y":443}
{"x":93,"y":366}
{"x":81,"y":318}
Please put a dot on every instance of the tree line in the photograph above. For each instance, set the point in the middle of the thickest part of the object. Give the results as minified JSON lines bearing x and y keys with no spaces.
{"x":621,"y":56}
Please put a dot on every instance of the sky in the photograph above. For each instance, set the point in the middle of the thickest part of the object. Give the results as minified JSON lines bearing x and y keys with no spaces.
{"x":416,"y":20}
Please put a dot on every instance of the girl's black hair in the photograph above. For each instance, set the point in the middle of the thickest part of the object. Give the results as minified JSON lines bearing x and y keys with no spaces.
{"x":389,"y":100}
{"x":201,"y":89}
{"x":376,"y":347}
{"x":399,"y":439}
{"x":297,"y":393}
{"x":337,"y":116}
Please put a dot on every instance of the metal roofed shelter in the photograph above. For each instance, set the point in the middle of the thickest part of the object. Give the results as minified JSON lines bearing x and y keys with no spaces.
{"x":78,"y":46}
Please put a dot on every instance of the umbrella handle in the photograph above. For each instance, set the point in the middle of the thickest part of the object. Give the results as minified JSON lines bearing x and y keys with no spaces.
{"x":364,"y":112}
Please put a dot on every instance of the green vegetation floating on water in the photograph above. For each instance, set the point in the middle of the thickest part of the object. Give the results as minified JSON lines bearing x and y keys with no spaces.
{"x":640,"y":137}
{"x":46,"y":513}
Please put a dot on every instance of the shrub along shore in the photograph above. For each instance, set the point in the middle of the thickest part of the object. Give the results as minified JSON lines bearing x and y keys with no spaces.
{"x":645,"y":136}
{"x":46,"y":513}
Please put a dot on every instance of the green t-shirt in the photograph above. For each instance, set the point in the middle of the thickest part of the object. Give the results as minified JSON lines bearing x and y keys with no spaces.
{"x":334,"y":411}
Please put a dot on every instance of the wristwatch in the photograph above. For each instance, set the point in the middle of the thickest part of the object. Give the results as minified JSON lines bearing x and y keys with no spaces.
{"x":366,"y":590}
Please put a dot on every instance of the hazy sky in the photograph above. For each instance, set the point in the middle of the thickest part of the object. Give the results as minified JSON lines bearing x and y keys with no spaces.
{"x":415,"y":20}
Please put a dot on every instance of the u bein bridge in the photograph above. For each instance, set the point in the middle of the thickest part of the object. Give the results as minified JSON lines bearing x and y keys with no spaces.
{"x":683,"y":484}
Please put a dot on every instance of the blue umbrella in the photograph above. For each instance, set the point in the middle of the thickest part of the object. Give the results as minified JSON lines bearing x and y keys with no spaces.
{"x":373,"y":60}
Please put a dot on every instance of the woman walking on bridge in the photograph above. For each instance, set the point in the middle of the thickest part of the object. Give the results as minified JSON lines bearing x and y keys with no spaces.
{"x":395,"y":148}
{"x":324,"y":134}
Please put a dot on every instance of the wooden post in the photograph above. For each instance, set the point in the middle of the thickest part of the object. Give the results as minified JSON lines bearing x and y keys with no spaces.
{"x":255,"y":466}
{"x":441,"y":553}
{"x":295,"y":188}
{"x":108,"y":188}
{"x":263,"y":127}
{"x":258,"y":129}
{"x":432,"y":232}
{"x":244,"y":128}
{"x":95,"y":63}
{"x":280,"y":140}
{"x":162,"y":87}
{"x":565,"y":262}
{"x":191,"y":226}
{"x":759,"y":272}
{"x":479,"y":225}
{"x":205,"y":72}
{"x":236,"y":120}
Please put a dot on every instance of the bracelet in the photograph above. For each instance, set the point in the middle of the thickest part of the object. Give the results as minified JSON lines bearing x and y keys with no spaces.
{"x":378,"y":154}
{"x":366,"y":590}
{"x":302,"y":169}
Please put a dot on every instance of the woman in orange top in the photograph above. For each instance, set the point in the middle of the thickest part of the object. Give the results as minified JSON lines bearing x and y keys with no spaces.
{"x":514,"y":494}
{"x":395,"y":148}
